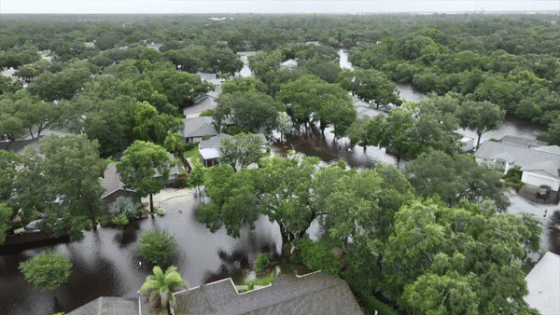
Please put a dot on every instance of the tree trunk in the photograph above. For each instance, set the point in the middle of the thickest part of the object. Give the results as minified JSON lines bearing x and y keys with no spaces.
{"x":478,"y":141}
{"x":285,"y":234}
{"x":152,"y":205}
{"x":169,"y":312}
{"x":31,"y":133}
{"x":93,"y":224}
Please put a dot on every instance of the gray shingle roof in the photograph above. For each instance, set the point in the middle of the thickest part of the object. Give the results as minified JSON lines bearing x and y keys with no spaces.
{"x":108,"y":306}
{"x":198,"y":127}
{"x":523,"y":142}
{"x":316,"y":293}
{"x":111,"y":180}
{"x":214,"y":142}
{"x":527,"y":158}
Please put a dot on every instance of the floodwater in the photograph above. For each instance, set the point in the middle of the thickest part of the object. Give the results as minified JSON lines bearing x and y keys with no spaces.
{"x":106,"y":263}
{"x":330,"y":150}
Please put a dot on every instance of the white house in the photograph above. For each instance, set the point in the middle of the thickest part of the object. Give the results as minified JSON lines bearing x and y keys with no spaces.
{"x":539,"y":164}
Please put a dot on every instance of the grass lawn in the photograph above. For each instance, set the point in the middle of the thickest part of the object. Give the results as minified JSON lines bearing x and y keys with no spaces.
{"x":266,"y":280}
{"x":192,"y":154}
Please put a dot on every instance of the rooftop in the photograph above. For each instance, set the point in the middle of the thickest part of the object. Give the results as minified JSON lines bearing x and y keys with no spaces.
{"x":198,"y":127}
{"x":316,"y":293}
{"x":525,"y":157}
{"x":542,"y":283}
{"x":111,"y":180}
{"x":108,"y":306}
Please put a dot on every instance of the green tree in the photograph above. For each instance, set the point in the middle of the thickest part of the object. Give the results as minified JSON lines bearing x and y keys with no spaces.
{"x":173,"y":142}
{"x":138,"y":167}
{"x":10,"y":125}
{"x":362,"y":132}
{"x":161,"y":286}
{"x":5,"y":222}
{"x":370,"y":85}
{"x":414,"y":129}
{"x":241,"y":84}
{"x":480,"y":117}
{"x":455,"y":250}
{"x":251,"y":111}
{"x":180,"y":88}
{"x":110,"y":122}
{"x":196,"y":177}
{"x":62,"y":85}
{"x":47,"y":271}
{"x":222,"y":59}
{"x":191,"y":58}
{"x":10,"y":163}
{"x":552,"y":135}
{"x":265,"y":61}
{"x":318,"y":256}
{"x":241,"y":150}
{"x":157,"y":246}
{"x":67,"y":167}
{"x":279,"y":188}
{"x":454,"y":178}
{"x":149,"y":125}
{"x":310,"y":98}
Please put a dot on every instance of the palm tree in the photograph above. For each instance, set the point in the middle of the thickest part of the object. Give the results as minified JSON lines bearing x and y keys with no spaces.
{"x":160,"y":287}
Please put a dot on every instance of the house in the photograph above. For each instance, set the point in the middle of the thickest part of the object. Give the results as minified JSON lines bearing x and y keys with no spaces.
{"x":210,"y":149}
{"x":316,"y":293}
{"x":114,"y":188}
{"x":202,"y":103}
{"x":289,"y":64}
{"x":539,"y":164}
{"x":108,"y":306}
{"x":363,"y":109}
{"x":198,"y":128}
{"x":173,"y":172}
{"x":467,"y":144}
{"x":543,"y":284}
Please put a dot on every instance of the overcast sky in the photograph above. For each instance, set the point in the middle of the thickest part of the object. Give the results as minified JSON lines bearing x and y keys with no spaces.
{"x":278,"y":6}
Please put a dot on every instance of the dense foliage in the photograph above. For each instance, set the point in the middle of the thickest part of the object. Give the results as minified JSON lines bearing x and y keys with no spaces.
{"x":47,"y":271}
{"x":429,"y":240}
{"x":157,"y":246}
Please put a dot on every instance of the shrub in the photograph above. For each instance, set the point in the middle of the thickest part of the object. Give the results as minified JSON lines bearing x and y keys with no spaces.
{"x":105,"y":220}
{"x":158,"y":245}
{"x":160,"y":211}
{"x":250,"y":286}
{"x":181,"y":183}
{"x":123,"y":205}
{"x":318,"y":256}
{"x":262,"y":262}
{"x":47,"y":271}
{"x":207,"y":113}
{"x":189,"y":146}
{"x":120,"y":221}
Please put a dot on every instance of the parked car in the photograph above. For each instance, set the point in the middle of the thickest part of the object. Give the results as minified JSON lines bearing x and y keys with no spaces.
{"x":544,"y":191}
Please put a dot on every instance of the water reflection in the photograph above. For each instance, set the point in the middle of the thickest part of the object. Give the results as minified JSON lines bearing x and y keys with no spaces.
{"x":106,"y":263}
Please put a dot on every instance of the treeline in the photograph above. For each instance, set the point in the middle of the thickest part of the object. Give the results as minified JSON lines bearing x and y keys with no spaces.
{"x":426,"y":241}
{"x":65,"y":35}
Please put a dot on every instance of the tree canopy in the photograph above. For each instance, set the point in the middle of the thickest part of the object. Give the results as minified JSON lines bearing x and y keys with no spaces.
{"x":47,"y":271}
{"x":142,"y":166}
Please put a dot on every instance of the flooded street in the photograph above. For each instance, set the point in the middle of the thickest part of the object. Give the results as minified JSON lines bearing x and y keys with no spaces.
{"x":106,"y":263}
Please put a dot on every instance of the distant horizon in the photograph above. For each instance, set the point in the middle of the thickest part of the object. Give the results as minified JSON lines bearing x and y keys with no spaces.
{"x":227,"y":7}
